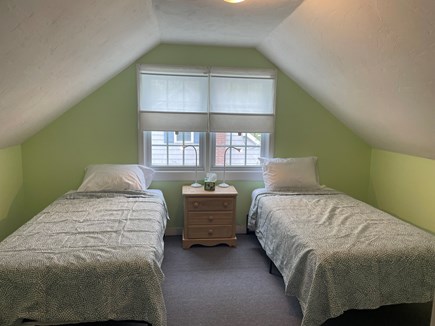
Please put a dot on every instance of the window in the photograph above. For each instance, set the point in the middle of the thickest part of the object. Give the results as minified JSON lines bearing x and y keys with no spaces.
{"x":183,"y":137}
{"x":250,"y":145}
{"x":189,"y":116}
{"x":167,"y":148}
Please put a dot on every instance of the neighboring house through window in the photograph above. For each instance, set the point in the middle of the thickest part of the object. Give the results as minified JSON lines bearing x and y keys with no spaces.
{"x":210,"y":109}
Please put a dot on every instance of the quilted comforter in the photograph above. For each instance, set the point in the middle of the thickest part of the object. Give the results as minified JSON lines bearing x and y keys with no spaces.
{"x":87,"y":257}
{"x":336,"y":253}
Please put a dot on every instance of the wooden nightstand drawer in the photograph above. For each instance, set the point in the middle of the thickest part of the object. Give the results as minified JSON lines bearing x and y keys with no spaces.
{"x":210,"y":218}
{"x":206,"y":232}
{"x":210,"y":204}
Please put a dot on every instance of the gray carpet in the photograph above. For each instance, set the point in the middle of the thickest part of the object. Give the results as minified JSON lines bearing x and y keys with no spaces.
{"x":219,"y":286}
{"x":223,"y":286}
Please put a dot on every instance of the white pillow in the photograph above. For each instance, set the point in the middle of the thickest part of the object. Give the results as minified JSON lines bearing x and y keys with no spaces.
{"x":116,"y":177}
{"x":283,"y":174}
{"x":148,"y":174}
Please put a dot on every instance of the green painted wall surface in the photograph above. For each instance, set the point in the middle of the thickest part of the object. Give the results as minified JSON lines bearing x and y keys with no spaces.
{"x":304,"y":128}
{"x":99,"y":129}
{"x":103,"y":129}
{"x":404,"y":186}
{"x":11,"y":190}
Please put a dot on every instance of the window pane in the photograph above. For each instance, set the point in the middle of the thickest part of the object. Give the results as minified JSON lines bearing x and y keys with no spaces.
{"x":158,"y":138}
{"x":248,"y":143}
{"x":175,"y":155}
{"x":159,"y":155}
{"x":186,"y":137}
{"x":252,"y":155}
{"x":235,"y":158}
{"x":189,"y":156}
{"x":167,"y":148}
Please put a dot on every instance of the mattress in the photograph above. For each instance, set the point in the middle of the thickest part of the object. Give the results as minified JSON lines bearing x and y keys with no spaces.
{"x":336,"y":253}
{"x":87,"y":257}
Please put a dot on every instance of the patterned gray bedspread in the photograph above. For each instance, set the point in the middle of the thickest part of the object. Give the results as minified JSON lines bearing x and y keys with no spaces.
{"x":336,"y":253}
{"x":87,"y":257}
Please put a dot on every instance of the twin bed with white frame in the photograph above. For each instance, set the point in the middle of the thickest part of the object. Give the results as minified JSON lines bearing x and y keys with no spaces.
{"x":92,"y":255}
{"x":334,"y":252}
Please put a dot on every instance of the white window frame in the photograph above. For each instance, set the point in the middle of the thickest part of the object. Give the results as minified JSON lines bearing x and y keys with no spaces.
{"x":205,"y":156}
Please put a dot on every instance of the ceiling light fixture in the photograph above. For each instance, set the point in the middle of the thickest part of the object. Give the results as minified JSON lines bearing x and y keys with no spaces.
{"x":234,"y":1}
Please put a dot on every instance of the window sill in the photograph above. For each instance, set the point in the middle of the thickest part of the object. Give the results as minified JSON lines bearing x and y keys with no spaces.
{"x":190,"y":175}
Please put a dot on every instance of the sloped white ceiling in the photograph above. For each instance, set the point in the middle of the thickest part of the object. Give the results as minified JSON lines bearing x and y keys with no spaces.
{"x":371,"y":63}
{"x":54,"y":53}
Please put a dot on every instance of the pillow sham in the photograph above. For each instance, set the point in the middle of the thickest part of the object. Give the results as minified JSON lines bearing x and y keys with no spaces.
{"x":148,"y":174}
{"x":116,"y":177}
{"x":284,"y":174}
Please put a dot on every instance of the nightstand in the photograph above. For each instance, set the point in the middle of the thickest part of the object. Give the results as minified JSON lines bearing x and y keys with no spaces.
{"x":209,"y":216}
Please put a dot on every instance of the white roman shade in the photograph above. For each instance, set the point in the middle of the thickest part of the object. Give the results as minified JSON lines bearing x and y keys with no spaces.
{"x":242,"y":100}
{"x":173,"y":98}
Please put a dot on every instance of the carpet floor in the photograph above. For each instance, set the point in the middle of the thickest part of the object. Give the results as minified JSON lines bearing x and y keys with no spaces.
{"x":223,"y":286}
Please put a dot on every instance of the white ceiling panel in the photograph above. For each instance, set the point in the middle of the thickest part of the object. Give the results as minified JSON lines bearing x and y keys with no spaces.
{"x":218,"y":22}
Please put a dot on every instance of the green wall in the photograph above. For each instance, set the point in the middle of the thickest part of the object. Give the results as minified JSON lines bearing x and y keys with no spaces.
{"x":11,"y":190}
{"x":404,"y":186}
{"x":102,"y":128}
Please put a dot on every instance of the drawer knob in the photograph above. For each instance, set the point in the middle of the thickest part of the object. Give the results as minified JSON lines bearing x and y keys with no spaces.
{"x":210,"y":232}
{"x":210,"y":218}
{"x":225,"y":204}
{"x":196,"y":204}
